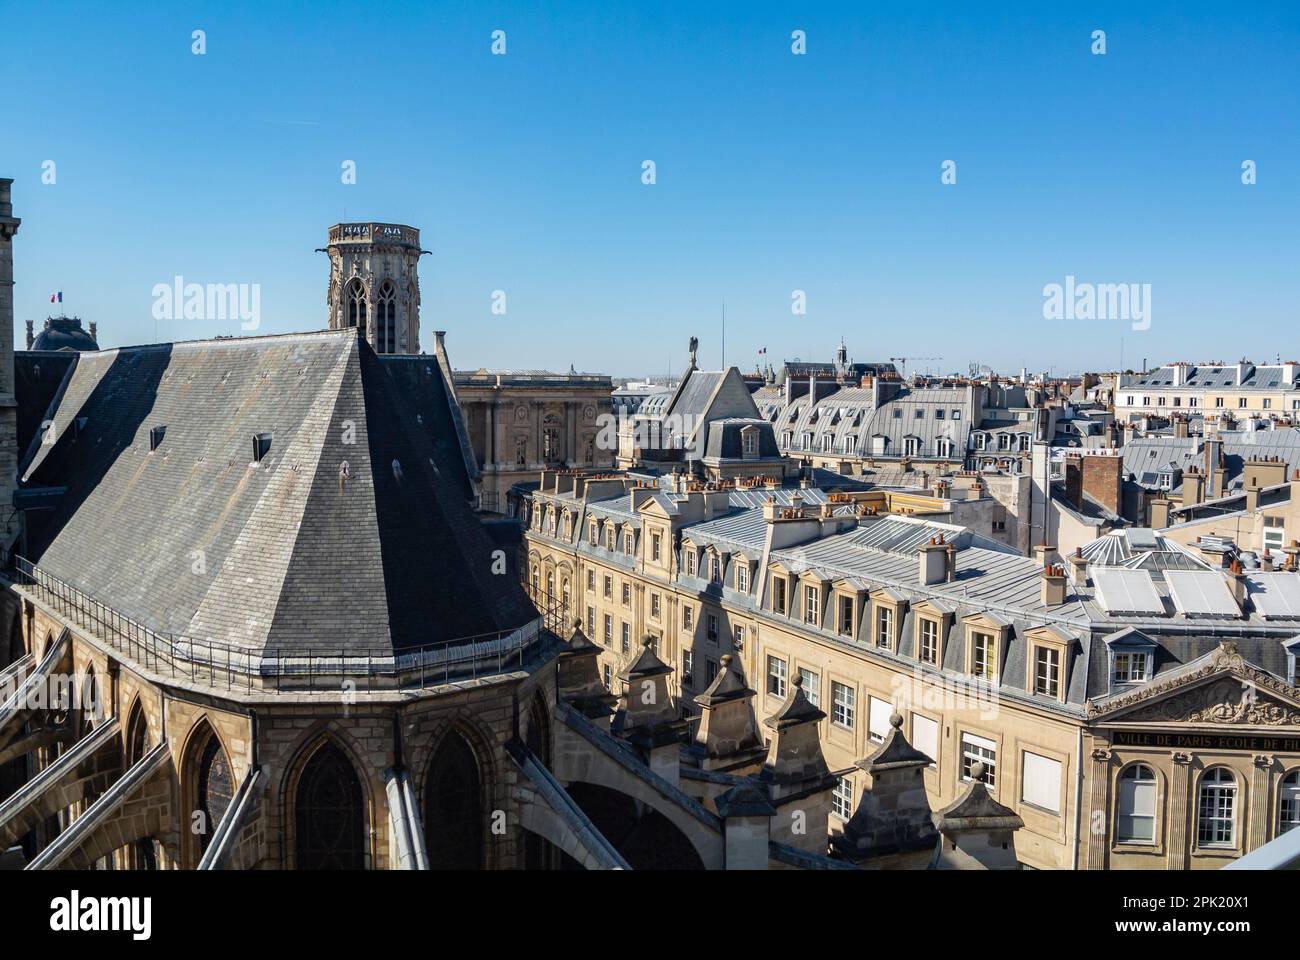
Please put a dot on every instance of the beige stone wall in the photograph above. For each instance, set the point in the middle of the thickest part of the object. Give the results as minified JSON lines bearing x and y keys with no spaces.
{"x":287,"y":733}
{"x":1048,"y":838}
{"x":1178,"y":774}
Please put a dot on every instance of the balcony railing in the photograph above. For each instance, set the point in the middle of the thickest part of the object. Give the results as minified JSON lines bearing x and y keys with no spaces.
{"x":234,"y":666}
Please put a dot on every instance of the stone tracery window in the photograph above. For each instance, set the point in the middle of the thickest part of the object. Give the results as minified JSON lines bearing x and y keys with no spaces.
{"x":329,"y":813}
{"x":386,"y":319}
{"x":356,"y":304}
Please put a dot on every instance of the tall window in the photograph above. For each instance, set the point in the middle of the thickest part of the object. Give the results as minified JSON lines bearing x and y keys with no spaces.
{"x":216,"y":787}
{"x":776,"y":675}
{"x":688,"y":560}
{"x":885,"y":628}
{"x":688,"y":668}
{"x":609,"y":630}
{"x":812,"y":596}
{"x":1289,"y":807}
{"x":846,"y":616}
{"x":655,"y":542}
{"x":608,"y":588}
{"x":626,"y":636}
{"x":1216,"y":815}
{"x":982,"y":656}
{"x":844,"y":705}
{"x":742,"y":576}
{"x":386,"y":319}
{"x":1047,"y":671}
{"x":928,"y":650}
{"x":711,"y":628}
{"x":842,"y":799}
{"x":812,"y":685}
{"x":979,"y":749}
{"x":453,"y":809}
{"x":1136,"y":821}
{"x":329,"y":821}
{"x":356,"y":305}
{"x":654,"y":605}
{"x":778,"y":593}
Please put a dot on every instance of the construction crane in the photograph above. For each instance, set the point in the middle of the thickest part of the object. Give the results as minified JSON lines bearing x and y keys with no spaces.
{"x":903,"y":361}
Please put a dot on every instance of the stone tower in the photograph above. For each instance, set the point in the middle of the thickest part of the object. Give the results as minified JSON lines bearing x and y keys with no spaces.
{"x":8,"y":406}
{"x":374,"y":283}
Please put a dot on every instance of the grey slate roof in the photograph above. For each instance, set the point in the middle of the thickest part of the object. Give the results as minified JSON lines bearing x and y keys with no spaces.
{"x":353,"y":533}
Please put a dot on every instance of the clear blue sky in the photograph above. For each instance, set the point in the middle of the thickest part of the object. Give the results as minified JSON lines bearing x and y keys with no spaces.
{"x":775,"y":172}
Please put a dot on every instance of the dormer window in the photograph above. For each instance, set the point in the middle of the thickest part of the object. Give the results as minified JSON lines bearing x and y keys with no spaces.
{"x":1132,"y":667}
{"x":742,"y":576}
{"x":261,"y":446}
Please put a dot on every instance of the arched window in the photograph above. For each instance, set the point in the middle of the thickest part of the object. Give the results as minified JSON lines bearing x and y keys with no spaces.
{"x":90,"y":702}
{"x":386,"y":318}
{"x":137,"y":735}
{"x":1289,"y":806}
{"x":453,"y":808}
{"x":356,"y":304}
{"x":1137,"y":805}
{"x":216,"y":786}
{"x":1217,"y":809}
{"x":329,"y":813}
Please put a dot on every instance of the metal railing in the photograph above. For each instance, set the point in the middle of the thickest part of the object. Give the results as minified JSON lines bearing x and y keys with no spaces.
{"x":235,"y":666}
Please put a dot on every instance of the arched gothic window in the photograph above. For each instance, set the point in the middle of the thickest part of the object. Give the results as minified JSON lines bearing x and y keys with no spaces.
{"x":137,"y":735}
{"x":453,"y":808}
{"x":329,"y":813}
{"x":355,"y":301}
{"x":216,"y":786}
{"x":386,"y":319}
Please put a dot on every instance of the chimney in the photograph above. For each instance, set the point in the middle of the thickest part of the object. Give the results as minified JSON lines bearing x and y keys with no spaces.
{"x":1052,"y":590}
{"x":1079,"y":568}
{"x":1180,"y":428}
{"x":1074,"y":481}
{"x":950,"y":561}
{"x":1044,"y":553}
{"x":933,"y":563}
{"x":1103,"y":479}
{"x":94,"y":331}
{"x":1237,"y":583}
{"x":1266,"y":562}
{"x":1160,"y":513}
{"x":1213,"y":468}
{"x":439,"y":348}
{"x":31,"y":338}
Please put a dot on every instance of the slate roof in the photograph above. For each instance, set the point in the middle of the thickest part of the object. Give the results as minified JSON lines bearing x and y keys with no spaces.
{"x":353,"y":533}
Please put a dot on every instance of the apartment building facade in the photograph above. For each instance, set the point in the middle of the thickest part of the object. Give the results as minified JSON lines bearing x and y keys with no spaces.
{"x":1066,"y":696}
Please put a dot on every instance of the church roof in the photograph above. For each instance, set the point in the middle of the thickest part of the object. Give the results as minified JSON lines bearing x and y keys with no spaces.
{"x":352,"y":532}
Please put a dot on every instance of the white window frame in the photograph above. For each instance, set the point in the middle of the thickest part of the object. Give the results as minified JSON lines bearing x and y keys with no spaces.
{"x":973,"y":748}
{"x":844,"y":705}
{"x":778,"y":672}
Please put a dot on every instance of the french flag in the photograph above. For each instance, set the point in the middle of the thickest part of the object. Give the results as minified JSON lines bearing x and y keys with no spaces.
{"x":56,"y":297}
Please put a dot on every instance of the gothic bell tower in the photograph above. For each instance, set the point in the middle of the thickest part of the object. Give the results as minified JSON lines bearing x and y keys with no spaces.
{"x":375,"y":284}
{"x":8,"y":406}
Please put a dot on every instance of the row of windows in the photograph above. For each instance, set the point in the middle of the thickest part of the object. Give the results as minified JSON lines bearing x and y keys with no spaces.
{"x":1216,"y":806}
{"x":1041,"y":776}
{"x":1243,"y":403}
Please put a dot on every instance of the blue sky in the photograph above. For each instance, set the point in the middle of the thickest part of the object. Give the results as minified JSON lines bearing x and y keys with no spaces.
{"x":775,"y":172}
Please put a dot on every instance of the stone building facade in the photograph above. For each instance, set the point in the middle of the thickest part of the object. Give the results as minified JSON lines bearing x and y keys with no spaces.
{"x":521,"y":422}
{"x":1042,"y":673}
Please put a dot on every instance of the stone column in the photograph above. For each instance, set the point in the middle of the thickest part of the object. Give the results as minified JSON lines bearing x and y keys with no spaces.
{"x":1098,"y":838}
{"x":1260,"y":799}
{"x":1177,"y":835}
